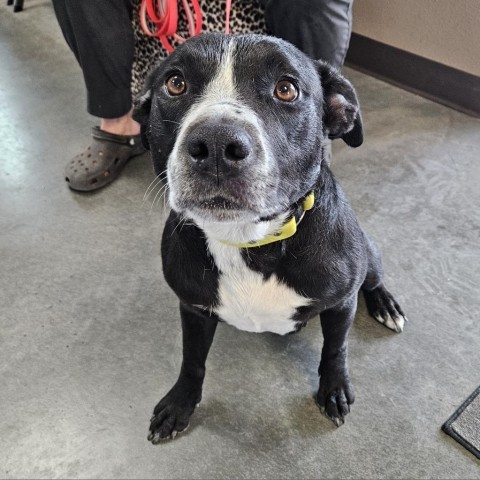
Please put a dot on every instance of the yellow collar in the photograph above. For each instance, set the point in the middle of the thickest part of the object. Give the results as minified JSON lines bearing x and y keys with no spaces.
{"x":288,"y":229}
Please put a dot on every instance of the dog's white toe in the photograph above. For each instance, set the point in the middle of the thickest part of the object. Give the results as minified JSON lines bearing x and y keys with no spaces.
{"x":395,"y":323}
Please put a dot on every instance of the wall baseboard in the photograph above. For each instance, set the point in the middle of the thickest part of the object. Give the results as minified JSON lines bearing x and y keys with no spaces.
{"x":433,"y":80}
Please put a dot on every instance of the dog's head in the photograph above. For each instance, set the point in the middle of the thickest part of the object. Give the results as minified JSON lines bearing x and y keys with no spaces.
{"x":239,"y":121}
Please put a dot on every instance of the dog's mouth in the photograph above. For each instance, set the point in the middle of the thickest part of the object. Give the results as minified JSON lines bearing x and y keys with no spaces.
{"x":221,"y":209}
{"x":233,"y":200}
{"x":219,"y":203}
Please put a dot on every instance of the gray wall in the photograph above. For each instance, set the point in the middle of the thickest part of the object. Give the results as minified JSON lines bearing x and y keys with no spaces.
{"x":447,"y":31}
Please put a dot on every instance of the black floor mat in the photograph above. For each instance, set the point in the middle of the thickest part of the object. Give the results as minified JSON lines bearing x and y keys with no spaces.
{"x":464,"y":424}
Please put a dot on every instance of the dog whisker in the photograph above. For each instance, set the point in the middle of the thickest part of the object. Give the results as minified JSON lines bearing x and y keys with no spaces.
{"x":182,"y":220}
{"x":155,"y":180}
{"x":164,"y":196}
{"x":153,"y":185}
{"x":161,"y":191}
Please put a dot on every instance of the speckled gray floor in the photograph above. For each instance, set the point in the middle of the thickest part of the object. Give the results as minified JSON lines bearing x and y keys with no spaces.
{"x":90,"y":334}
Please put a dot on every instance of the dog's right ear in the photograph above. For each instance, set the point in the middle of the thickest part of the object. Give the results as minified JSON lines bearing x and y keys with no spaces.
{"x":142,"y":106}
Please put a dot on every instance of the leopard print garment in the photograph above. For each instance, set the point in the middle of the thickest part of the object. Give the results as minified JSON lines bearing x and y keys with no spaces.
{"x":246,"y":17}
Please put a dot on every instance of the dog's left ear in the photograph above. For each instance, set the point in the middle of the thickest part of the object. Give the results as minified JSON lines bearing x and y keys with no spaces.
{"x":341,"y":111}
{"x":142,"y":106}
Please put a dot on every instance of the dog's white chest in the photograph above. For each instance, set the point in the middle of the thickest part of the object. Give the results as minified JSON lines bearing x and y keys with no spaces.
{"x":248,"y":301}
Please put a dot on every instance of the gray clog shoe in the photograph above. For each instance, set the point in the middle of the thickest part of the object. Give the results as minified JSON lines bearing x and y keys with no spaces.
{"x":102,"y":162}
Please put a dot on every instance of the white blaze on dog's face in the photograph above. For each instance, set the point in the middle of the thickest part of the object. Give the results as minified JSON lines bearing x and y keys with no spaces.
{"x":239,"y":121}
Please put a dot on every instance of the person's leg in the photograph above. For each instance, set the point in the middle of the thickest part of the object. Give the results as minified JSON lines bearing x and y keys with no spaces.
{"x":99,"y":33}
{"x":320,"y":28}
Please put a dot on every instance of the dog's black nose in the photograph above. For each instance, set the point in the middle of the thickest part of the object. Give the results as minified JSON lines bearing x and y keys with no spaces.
{"x":215,"y":148}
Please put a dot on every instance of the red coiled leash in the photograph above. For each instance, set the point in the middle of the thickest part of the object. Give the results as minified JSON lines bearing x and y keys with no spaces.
{"x":164,"y":14}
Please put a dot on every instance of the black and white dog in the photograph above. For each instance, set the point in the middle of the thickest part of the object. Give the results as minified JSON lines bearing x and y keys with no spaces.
{"x":260,"y":234}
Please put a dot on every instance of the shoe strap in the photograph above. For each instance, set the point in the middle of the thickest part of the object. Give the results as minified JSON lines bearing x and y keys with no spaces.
{"x":130,"y":140}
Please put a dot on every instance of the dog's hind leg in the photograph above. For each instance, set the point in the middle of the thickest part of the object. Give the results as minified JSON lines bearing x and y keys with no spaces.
{"x":380,"y":303}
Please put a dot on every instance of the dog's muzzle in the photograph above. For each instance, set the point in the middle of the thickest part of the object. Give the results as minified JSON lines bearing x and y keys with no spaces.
{"x":222,"y":167}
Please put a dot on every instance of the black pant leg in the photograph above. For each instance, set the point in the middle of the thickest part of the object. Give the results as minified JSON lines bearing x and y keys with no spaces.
{"x":321,"y":28}
{"x":100,"y":34}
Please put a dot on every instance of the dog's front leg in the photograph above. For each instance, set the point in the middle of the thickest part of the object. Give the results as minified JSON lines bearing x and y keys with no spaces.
{"x":335,"y":394}
{"x":172,"y":413}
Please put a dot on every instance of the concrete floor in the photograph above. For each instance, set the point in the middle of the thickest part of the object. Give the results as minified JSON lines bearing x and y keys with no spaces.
{"x":90,"y":333}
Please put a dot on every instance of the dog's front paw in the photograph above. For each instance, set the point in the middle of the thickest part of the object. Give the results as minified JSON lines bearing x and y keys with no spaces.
{"x":172,"y":414}
{"x":334,"y":397}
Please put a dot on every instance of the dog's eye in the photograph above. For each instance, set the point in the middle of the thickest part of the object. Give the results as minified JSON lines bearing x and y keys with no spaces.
{"x":176,"y":85}
{"x":286,"y":91}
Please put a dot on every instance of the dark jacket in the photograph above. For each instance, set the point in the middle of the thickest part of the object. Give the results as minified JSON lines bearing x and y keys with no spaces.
{"x":321,"y":28}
